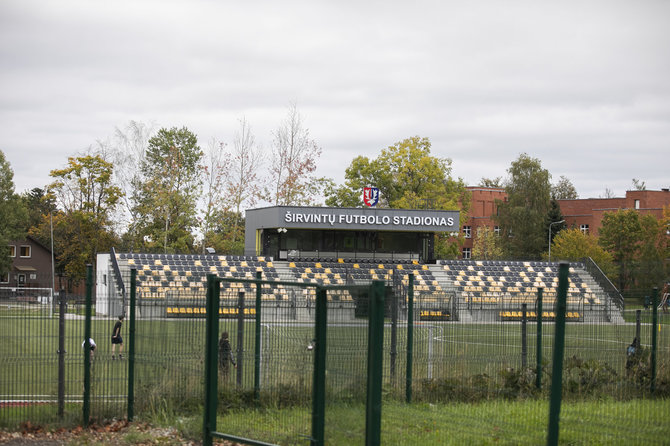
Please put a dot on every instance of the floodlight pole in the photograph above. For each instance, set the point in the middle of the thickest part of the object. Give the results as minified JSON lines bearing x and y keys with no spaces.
{"x":550,"y":225}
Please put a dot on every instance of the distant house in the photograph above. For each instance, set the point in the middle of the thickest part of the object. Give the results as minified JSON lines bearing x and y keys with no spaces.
{"x":31,"y":265}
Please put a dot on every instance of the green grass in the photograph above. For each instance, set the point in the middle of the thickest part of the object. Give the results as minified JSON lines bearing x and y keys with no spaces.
{"x":487,"y":423}
{"x":452,"y":362}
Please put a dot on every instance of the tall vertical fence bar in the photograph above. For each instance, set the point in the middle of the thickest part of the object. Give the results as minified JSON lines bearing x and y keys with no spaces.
{"x":441,"y":349}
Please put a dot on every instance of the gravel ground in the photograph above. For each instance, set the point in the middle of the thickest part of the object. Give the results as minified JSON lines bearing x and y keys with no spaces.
{"x":115,"y":433}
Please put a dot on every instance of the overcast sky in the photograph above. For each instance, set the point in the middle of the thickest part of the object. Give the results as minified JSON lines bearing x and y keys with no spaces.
{"x":584,"y":86}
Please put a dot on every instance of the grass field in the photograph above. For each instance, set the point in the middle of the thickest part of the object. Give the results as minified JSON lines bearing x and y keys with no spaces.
{"x":464,"y":378}
{"x":640,"y":422}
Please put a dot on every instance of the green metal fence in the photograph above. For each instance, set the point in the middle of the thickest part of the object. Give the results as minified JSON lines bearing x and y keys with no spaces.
{"x":427,"y":359}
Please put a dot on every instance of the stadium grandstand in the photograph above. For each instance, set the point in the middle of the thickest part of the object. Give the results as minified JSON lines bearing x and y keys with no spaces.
{"x":352,"y":246}
{"x":174,"y":285}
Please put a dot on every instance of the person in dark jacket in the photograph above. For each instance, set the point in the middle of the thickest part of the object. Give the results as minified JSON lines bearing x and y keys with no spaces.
{"x":117,"y":339}
{"x":225,"y":355}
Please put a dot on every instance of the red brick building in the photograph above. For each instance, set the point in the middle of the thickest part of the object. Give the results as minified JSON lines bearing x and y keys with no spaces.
{"x":482,"y":210}
{"x":586,"y":214}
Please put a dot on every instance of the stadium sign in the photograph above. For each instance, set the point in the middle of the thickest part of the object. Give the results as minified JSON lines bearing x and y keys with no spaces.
{"x":362,"y":219}
{"x":366,"y":219}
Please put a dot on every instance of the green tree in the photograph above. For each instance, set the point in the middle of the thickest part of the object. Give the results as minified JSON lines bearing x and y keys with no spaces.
{"x":87,"y":199}
{"x":227,"y":233}
{"x":487,"y":245}
{"x":522,"y":218}
{"x":166,"y":196}
{"x":361,"y":173}
{"x":491,"y":182}
{"x":408,"y":177}
{"x":621,"y":234}
{"x":554,"y":222}
{"x":574,"y":245}
{"x":13,"y":215}
{"x":38,"y":203}
{"x":650,"y":267}
{"x":564,"y":190}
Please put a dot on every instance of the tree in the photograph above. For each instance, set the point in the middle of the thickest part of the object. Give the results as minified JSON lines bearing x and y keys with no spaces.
{"x":168,"y":190}
{"x":620,"y":234}
{"x":13,"y":215}
{"x":243,"y":184}
{"x":216,"y":167}
{"x":129,"y":147}
{"x":564,"y":190}
{"x":294,"y":156}
{"x":490,"y":182}
{"x":574,"y":245}
{"x":609,"y":193}
{"x":554,"y":216}
{"x":87,"y":198}
{"x":522,"y":218}
{"x":650,"y":268}
{"x":38,"y":203}
{"x":361,"y":173}
{"x":639,"y":185}
{"x":232,"y":183}
{"x":408,"y":177}
{"x":487,"y":245}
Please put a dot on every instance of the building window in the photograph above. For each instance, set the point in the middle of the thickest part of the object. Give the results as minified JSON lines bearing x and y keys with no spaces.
{"x":584,"y":229}
{"x":24,"y":251}
{"x":467,"y":231}
{"x":637,"y":204}
{"x":4,"y":278}
{"x":21,"y":278}
{"x":12,"y":251}
{"x":496,"y":230}
{"x":467,"y":253}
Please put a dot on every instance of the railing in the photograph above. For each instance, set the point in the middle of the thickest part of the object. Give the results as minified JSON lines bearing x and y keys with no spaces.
{"x":117,"y":275}
{"x":614,"y":295}
{"x":351,"y":255}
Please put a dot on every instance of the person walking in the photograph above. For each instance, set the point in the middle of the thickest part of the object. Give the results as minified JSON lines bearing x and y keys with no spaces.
{"x":117,"y":339}
{"x":225,"y":355}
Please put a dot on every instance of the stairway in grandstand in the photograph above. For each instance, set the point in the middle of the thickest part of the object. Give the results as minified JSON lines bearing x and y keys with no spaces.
{"x":463,"y":290}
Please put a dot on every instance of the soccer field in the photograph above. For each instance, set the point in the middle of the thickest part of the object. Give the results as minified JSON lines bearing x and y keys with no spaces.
{"x":453,"y":363}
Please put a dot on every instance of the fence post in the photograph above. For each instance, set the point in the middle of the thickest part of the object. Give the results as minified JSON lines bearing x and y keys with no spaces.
{"x":257,"y":343}
{"x":524,"y":344}
{"x":394,"y":335}
{"x":211,"y":356}
{"x":240,"y":338}
{"x":538,"y":348}
{"x":373,"y":407}
{"x":61,"y":353}
{"x":410,"y":338}
{"x":638,"y":324}
{"x":131,"y":346}
{"x":319,"y":374}
{"x":557,"y":367}
{"x":654,"y":339}
{"x":86,"y":409}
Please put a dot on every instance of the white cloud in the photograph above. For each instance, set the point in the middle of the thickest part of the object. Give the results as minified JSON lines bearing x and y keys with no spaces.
{"x":580,"y":85}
